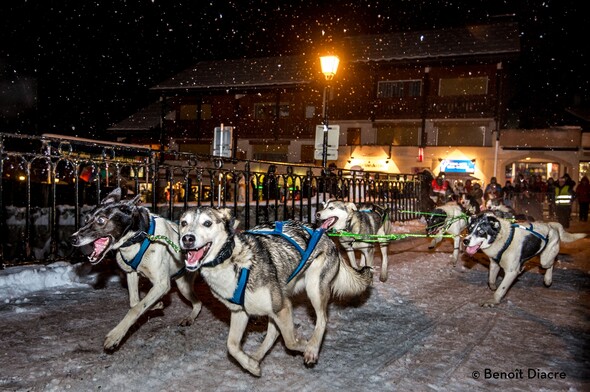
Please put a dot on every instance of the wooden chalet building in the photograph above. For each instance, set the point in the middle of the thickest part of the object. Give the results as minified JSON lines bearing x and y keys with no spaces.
{"x":403,"y":101}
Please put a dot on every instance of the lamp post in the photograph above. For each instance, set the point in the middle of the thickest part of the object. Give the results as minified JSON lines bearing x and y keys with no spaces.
{"x":329,"y":67}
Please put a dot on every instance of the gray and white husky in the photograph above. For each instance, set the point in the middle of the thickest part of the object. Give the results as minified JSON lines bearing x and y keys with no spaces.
{"x":448,"y":219}
{"x":142,"y":244}
{"x":369,"y":220}
{"x":257,"y":272}
{"x":509,"y":245}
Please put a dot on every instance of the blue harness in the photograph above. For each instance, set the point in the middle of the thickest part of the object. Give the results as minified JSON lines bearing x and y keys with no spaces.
{"x":238,"y":297}
{"x":134,"y":263}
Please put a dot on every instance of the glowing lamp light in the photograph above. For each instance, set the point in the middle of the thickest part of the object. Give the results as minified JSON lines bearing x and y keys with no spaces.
{"x":329,"y":66}
{"x":421,"y":154}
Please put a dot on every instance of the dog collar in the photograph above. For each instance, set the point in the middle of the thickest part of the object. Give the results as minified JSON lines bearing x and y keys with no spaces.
{"x":134,"y":263}
{"x":224,"y":254}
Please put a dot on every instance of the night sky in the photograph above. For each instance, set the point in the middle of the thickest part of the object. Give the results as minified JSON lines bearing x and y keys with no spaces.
{"x":75,"y":67}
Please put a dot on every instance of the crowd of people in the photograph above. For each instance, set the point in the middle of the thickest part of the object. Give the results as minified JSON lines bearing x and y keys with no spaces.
{"x":526,"y":195}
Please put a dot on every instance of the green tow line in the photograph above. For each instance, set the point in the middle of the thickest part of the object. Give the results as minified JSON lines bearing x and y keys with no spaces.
{"x":380,"y":238}
{"x":167,"y":240}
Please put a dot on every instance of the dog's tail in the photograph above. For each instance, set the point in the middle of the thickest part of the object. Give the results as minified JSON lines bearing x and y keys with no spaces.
{"x":565,"y":236}
{"x":350,"y":281}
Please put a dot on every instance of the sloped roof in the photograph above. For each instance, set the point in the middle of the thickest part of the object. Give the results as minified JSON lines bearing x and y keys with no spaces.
{"x":146,"y":118}
{"x":285,"y":71}
{"x":493,"y":39}
{"x":246,"y":73}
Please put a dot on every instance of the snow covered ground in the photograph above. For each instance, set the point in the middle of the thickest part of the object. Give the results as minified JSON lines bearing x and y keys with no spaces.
{"x":422,"y":330}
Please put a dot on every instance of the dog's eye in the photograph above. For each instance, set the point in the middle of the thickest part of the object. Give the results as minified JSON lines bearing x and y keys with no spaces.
{"x":207,"y":223}
{"x":183,"y":223}
{"x":101,"y":220}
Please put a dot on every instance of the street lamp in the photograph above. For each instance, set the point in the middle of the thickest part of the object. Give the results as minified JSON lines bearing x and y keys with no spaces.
{"x":329,"y":67}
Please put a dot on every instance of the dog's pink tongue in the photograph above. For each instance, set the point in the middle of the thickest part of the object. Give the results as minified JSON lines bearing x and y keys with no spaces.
{"x":194,"y":256}
{"x":329,"y":222}
{"x":471,"y":250}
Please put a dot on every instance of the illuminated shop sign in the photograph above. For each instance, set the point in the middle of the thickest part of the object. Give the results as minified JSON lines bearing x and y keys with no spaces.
{"x":457,"y":166}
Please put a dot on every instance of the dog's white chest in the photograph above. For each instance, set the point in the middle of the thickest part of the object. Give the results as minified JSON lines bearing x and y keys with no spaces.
{"x":223,"y":280}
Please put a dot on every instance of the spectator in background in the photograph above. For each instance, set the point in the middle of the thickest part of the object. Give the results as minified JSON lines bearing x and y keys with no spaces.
{"x":564,"y":195}
{"x":477,"y":193}
{"x":440,"y":189}
{"x":493,"y":190}
{"x":550,"y":192}
{"x":508,"y":194}
{"x":468,"y":186}
{"x":583,"y":198}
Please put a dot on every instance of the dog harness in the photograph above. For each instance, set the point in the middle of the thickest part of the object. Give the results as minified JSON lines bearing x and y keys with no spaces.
{"x":145,"y":243}
{"x":144,"y":238}
{"x":511,"y":237}
{"x":239,"y":293}
{"x":313,"y":241}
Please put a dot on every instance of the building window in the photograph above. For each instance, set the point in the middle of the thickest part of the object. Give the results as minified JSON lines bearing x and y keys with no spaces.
{"x":398,"y":135}
{"x":307,"y":153}
{"x":399,"y":88}
{"x":463,"y":86}
{"x":353,"y":136}
{"x":189,"y":112}
{"x":268,"y":110}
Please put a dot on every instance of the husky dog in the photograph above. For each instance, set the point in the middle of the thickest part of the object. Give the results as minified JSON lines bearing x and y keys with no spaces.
{"x":450,"y":218}
{"x":509,"y":245}
{"x":257,"y":272}
{"x":126,"y":227}
{"x":370,"y":220}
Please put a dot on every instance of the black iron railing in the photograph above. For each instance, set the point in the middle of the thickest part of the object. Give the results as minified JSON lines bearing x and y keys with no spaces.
{"x":50,"y":182}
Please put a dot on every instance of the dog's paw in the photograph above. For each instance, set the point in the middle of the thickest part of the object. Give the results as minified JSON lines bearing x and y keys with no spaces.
{"x":186,"y":322}
{"x":489,"y":304}
{"x":112,"y":340}
{"x":253,"y":367}
{"x":492,"y":286}
{"x":310,"y":357}
{"x":158,"y":306}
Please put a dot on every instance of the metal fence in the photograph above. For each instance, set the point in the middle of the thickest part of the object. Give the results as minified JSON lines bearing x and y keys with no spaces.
{"x":50,"y":182}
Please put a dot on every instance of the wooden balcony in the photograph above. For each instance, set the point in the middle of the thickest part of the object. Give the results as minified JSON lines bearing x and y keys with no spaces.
{"x":478,"y":106}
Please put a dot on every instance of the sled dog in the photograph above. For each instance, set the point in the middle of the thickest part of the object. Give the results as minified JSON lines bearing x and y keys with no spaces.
{"x":125,"y":227}
{"x":450,"y":218}
{"x":257,"y":272}
{"x":366,"y":220}
{"x":509,"y":245}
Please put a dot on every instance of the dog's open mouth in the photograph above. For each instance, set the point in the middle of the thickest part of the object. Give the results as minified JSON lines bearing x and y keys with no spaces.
{"x":329,"y":222}
{"x":99,"y":249}
{"x":471,"y":250}
{"x":194,"y":257}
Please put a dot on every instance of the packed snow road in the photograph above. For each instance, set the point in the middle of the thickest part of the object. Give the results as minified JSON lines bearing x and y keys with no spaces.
{"x":423,"y":329}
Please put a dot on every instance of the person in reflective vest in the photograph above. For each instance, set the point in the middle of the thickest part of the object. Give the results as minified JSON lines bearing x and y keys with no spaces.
{"x":564,"y":195}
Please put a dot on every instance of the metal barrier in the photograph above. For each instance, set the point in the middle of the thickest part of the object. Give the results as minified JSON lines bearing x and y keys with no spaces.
{"x":50,"y":182}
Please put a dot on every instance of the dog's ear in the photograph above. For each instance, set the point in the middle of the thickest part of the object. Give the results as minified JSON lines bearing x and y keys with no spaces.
{"x":113,"y":197}
{"x":135,"y":201}
{"x":351,"y":206}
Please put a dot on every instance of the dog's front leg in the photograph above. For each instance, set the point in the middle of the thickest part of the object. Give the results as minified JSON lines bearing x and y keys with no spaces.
{"x":493,"y":274}
{"x":272,"y":333}
{"x":384,"y":261}
{"x":509,"y":278}
{"x":237,"y":326}
{"x":456,"y":249}
{"x":115,"y":336}
{"x":133,"y":288}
